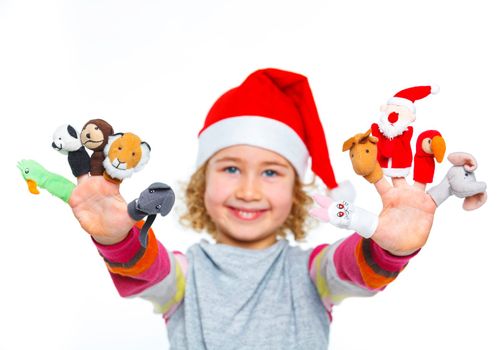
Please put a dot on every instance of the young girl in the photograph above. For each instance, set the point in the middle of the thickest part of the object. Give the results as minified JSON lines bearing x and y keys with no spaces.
{"x":251,"y":289}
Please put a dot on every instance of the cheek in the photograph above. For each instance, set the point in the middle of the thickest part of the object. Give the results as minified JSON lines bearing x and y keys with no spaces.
{"x":281,"y":198}
{"x":96,"y":135}
{"x":132,"y":160}
{"x":406,"y":115}
{"x":113,"y":152}
{"x":217,"y":191}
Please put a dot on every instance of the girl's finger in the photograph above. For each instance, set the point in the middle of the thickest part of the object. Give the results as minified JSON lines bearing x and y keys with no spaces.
{"x":82,"y":178}
{"x":382,"y":186}
{"x":110,"y":183}
{"x":399,"y":182}
{"x":419,"y":185}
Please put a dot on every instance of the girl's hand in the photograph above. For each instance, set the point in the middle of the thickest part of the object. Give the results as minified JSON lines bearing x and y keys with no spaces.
{"x":100,"y":209}
{"x":406,"y":218}
{"x":403,"y":225}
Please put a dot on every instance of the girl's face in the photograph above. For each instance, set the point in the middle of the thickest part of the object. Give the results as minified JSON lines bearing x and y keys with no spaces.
{"x":249,"y":194}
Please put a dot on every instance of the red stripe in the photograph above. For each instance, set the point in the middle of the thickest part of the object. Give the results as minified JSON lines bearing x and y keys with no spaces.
{"x":314,"y":253}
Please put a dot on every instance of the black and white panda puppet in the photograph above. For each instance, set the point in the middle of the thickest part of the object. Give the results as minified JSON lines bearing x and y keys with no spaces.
{"x":67,"y":142}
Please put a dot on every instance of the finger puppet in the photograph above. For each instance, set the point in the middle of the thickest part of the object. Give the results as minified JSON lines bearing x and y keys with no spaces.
{"x":394,"y":132}
{"x":431,"y":147}
{"x":37,"y":176}
{"x":461,"y":182}
{"x":158,"y":198}
{"x":345,"y":215}
{"x":94,"y":136}
{"x":66,"y":141}
{"x":363,"y":155}
{"x":125,"y":154}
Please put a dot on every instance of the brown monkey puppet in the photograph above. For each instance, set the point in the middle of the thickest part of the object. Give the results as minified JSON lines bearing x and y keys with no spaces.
{"x":94,"y":136}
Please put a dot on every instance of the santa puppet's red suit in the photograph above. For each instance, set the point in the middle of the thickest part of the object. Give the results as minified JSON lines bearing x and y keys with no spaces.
{"x":394,"y":131}
{"x":394,"y":155}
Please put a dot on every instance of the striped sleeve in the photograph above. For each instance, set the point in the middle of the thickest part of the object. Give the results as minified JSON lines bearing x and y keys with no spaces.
{"x":152,"y":272}
{"x":352,"y":267}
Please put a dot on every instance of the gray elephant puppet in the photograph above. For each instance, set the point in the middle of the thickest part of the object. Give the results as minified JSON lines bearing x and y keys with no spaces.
{"x":461,"y":182}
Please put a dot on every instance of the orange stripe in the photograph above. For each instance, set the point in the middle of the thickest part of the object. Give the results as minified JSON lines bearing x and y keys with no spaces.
{"x":145,"y":261}
{"x":370,"y":277}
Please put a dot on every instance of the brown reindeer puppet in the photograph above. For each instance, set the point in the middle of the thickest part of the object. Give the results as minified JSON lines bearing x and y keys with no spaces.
{"x":94,"y":136}
{"x":363,"y":155}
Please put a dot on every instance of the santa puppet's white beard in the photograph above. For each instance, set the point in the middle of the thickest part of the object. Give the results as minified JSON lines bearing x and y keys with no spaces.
{"x":392,"y":130}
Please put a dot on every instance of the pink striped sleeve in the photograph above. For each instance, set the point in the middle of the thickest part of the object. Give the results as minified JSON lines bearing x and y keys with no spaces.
{"x":352,"y":267}
{"x":132,"y":267}
{"x":365,"y":263}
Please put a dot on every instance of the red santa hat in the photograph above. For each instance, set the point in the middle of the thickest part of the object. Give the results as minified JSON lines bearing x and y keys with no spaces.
{"x":408,"y":96}
{"x":275,"y":110}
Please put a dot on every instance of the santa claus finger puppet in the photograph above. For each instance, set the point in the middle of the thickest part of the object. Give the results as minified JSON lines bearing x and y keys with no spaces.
{"x":431,"y":148}
{"x":394,"y":132}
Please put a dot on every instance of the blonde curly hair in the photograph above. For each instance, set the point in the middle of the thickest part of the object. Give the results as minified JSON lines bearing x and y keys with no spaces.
{"x":197,"y":218}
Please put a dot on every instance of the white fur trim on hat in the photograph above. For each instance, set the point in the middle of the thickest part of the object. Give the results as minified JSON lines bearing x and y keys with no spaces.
{"x":402,"y":102}
{"x":434,"y":89}
{"x":254,"y":131}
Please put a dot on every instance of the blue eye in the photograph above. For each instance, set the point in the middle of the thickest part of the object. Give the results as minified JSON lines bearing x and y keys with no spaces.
{"x":231,"y":170}
{"x":270,"y":173}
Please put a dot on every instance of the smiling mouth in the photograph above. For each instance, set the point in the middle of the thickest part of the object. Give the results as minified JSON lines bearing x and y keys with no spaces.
{"x":85,"y":143}
{"x":117,"y":164}
{"x":247,"y":215}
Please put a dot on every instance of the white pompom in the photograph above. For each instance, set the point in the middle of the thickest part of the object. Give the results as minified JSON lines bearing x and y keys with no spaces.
{"x":434,"y":89}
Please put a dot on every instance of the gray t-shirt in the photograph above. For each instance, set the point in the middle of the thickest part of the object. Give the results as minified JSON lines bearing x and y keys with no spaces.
{"x":238,"y":298}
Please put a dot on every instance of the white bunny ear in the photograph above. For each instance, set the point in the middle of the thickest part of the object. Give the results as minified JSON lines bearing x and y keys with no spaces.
{"x":463,"y":159}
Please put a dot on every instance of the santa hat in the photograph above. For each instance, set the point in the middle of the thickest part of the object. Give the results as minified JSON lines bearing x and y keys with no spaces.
{"x":407,"y":97}
{"x":275,"y":110}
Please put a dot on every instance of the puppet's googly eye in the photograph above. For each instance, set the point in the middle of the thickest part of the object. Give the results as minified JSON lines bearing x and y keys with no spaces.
{"x":340,"y":214}
{"x":26,"y":171}
{"x":158,"y":206}
{"x":152,"y":191}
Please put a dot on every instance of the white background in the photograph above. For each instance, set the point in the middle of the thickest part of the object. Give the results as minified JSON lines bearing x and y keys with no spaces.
{"x":155,"y":68}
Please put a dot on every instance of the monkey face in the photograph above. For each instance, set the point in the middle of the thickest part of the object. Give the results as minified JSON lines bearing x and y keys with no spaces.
{"x":92,"y":136}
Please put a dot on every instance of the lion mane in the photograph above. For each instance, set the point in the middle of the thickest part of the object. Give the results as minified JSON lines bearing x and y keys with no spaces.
{"x":125,"y":154}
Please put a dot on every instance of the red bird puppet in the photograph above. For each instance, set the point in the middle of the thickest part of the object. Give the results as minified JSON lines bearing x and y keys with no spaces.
{"x":431,"y":147}
{"x":394,"y":131}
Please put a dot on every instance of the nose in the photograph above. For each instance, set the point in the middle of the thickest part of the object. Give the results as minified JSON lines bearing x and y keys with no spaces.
{"x":393,"y":117}
{"x":248,"y":189}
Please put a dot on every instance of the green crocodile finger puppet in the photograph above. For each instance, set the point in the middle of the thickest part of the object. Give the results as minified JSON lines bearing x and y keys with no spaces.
{"x":37,"y":176}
